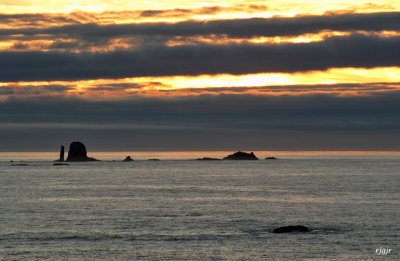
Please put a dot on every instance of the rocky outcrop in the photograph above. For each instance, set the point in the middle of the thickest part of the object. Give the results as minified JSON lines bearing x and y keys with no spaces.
{"x":241,"y":156}
{"x":291,"y":229}
{"x":207,"y":158}
{"x":61,"y":159}
{"x":271,"y":158}
{"x":128,"y":158}
{"x":77,"y":152}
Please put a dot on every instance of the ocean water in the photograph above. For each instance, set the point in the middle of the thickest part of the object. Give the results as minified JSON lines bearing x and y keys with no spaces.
{"x":182,"y":209}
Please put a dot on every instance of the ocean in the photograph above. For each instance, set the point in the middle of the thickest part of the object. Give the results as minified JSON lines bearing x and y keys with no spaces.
{"x":179,"y":208}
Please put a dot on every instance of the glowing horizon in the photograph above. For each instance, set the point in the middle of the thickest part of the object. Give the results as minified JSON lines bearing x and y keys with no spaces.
{"x":317,"y":82}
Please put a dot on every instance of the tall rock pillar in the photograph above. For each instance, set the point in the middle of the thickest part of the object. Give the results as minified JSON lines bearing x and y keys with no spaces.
{"x":61,"y":154}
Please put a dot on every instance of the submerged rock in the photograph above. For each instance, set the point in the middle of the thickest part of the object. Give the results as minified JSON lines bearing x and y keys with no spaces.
{"x":128,"y":158}
{"x":241,"y":156}
{"x":291,"y":229}
{"x":154,"y":159}
{"x":270,"y":158}
{"x":207,"y":158}
{"x":77,"y":152}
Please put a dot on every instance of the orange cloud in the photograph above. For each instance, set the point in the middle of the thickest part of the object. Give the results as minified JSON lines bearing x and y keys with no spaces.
{"x":342,"y":82}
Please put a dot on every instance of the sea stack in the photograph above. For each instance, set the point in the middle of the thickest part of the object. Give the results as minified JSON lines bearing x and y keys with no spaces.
{"x":241,"y":156}
{"x":77,"y":152}
{"x":62,"y":153}
{"x":61,"y":159}
{"x":291,"y":229}
{"x":128,"y":158}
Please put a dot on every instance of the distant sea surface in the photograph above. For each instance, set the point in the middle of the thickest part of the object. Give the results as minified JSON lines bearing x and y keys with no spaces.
{"x":182,"y":209}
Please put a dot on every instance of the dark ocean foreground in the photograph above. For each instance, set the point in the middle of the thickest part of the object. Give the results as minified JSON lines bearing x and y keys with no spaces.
{"x":201,"y":210}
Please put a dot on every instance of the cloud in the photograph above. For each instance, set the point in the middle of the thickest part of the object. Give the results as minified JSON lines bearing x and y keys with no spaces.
{"x":116,"y":87}
{"x":36,"y":20}
{"x":33,"y":90}
{"x":311,"y":112}
{"x":205,"y":122}
{"x":206,"y":10}
{"x":15,"y":2}
{"x":6,"y":91}
{"x":235,"y":28}
{"x":82,"y":32}
{"x":213,"y":118}
{"x":107,"y":17}
{"x":116,"y":90}
{"x":299,"y":89}
{"x":353,"y":51}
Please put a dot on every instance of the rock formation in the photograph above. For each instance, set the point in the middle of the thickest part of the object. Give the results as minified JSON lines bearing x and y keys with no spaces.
{"x":61,"y":159}
{"x":207,"y":158}
{"x":241,"y":156}
{"x":290,"y":229}
{"x":128,"y":158}
{"x":77,"y":152}
{"x":270,"y":158}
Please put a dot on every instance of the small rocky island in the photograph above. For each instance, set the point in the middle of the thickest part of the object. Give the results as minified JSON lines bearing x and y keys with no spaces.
{"x":208,"y":158}
{"x":291,"y":229}
{"x":127,"y":159}
{"x":77,"y":152}
{"x":240,"y":155}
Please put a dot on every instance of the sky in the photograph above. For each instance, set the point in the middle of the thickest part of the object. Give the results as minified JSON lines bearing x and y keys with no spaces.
{"x":124,"y":75}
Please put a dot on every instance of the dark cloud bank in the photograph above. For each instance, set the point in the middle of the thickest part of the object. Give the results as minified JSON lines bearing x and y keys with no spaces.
{"x":308,"y":122}
{"x":354,"y":51}
{"x":150,"y":56}
{"x":235,"y":28}
{"x":226,"y":122}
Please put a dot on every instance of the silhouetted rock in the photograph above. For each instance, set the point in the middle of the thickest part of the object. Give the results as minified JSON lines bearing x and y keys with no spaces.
{"x":207,"y":158}
{"x":270,"y":158}
{"x":77,"y":152}
{"x":290,"y":229}
{"x":61,"y":159}
{"x":128,"y":158}
{"x":154,"y":159}
{"x":241,"y":156}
